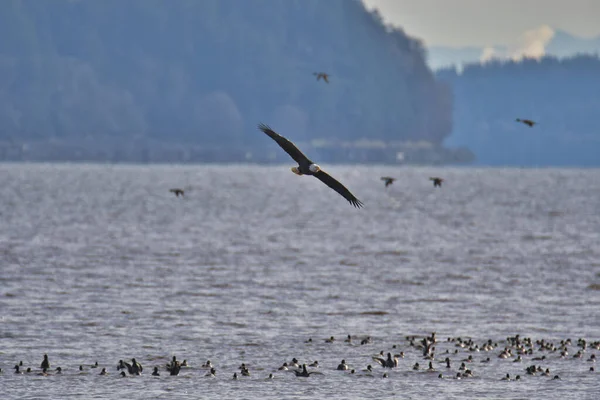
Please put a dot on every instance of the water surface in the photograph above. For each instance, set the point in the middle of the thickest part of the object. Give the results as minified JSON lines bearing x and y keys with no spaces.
{"x":102,"y":263}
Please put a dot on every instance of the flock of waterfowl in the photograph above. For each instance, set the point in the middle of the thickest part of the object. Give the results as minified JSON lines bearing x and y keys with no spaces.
{"x":417,"y":354}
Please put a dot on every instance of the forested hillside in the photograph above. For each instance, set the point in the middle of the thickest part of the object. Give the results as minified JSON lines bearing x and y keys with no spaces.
{"x":206,"y":72}
{"x":563,"y":96}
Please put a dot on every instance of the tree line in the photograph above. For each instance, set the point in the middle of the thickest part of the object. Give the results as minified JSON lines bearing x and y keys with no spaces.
{"x":206,"y":72}
{"x":561,"y":95}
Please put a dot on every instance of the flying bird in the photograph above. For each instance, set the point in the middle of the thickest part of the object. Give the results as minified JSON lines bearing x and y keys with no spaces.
{"x":527,"y":122}
{"x":304,"y":373}
{"x":177,"y":192}
{"x":323,"y":75}
{"x":436,"y":181}
{"x":388,"y":180}
{"x":307,"y":167}
{"x":389,"y":363}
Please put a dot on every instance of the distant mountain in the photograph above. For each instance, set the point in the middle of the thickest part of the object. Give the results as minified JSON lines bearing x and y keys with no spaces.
{"x":562,"y":44}
{"x":202,"y":74}
{"x":442,"y":57}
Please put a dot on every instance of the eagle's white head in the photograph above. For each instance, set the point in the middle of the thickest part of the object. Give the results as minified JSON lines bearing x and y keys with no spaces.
{"x":314,"y":168}
{"x":296,"y":170}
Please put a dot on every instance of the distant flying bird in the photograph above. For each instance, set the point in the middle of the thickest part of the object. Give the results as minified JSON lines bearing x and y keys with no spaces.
{"x":527,"y":122}
{"x":177,"y":192}
{"x":307,"y":167}
{"x":323,"y":75}
{"x":436,"y":181}
{"x":388,"y":180}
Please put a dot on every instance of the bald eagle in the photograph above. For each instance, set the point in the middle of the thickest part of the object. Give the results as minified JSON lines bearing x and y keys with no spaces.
{"x":436,"y":181}
{"x":177,"y":192}
{"x":526,"y":122}
{"x":307,"y":167}
{"x":388,"y":180}
{"x":323,"y":75}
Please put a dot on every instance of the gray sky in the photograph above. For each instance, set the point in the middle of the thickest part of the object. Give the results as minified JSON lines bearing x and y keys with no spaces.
{"x":487,"y":22}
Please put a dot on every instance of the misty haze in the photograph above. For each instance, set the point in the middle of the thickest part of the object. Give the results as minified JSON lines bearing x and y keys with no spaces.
{"x":188,"y":81}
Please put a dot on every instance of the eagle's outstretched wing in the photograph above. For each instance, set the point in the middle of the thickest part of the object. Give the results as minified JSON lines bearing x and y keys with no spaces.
{"x":286,"y":145}
{"x":338,"y":187}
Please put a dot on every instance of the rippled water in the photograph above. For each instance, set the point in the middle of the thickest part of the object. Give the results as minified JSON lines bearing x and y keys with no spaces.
{"x":102,"y":263}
